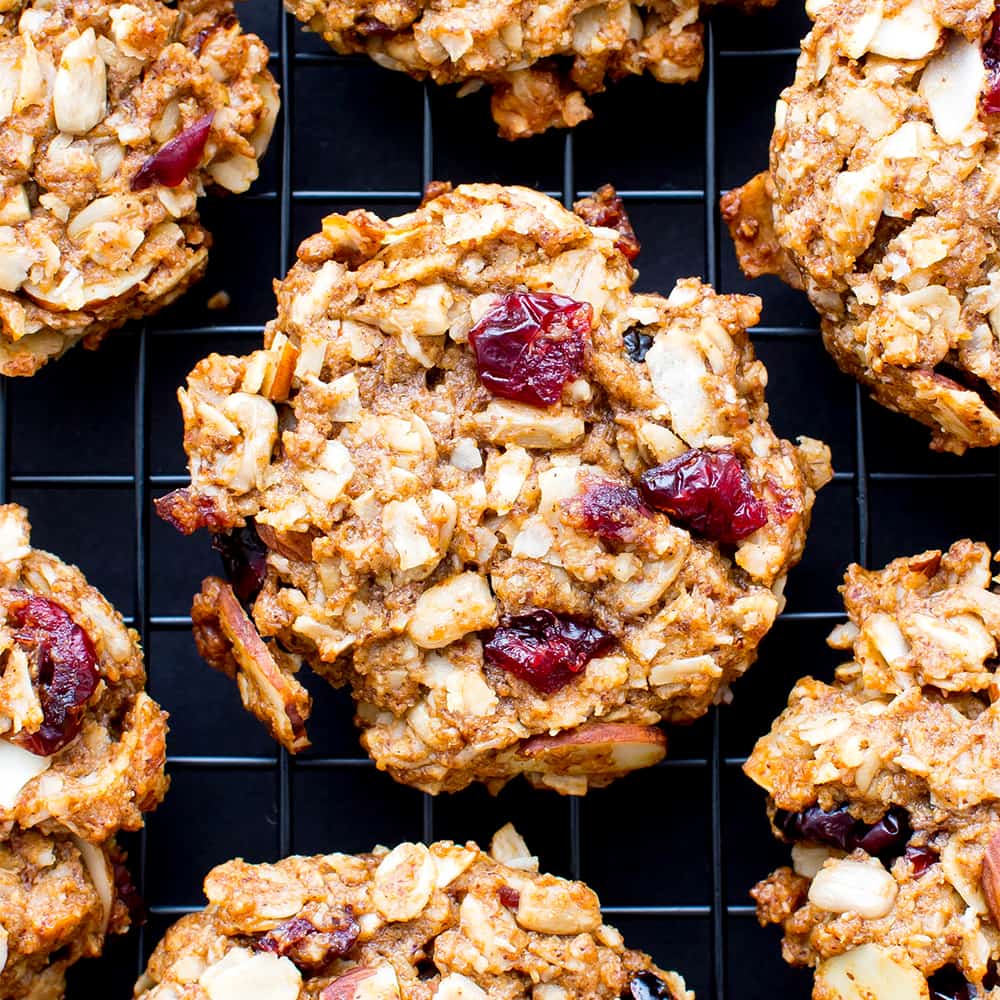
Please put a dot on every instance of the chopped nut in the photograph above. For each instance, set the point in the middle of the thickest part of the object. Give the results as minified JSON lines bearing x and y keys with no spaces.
{"x":404,"y":882}
{"x":862,"y":887}
{"x":449,"y":610}
{"x":554,"y":906}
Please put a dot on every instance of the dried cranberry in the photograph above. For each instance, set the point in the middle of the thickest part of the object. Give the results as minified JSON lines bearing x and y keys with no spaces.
{"x":949,"y":984}
{"x":244,"y":559}
{"x":66,"y":666}
{"x":509,"y":896}
{"x":708,"y":492}
{"x":834,"y":827}
{"x":612,"y":511}
{"x":175,"y":159}
{"x":839,"y":828}
{"x":545,"y":649}
{"x":186,"y":512}
{"x":372,"y":27}
{"x":127,"y":892}
{"x":530,"y":344}
{"x":637,"y":344}
{"x":920,"y":858}
{"x":887,"y":836}
{"x":309,"y":946}
{"x":991,"y":60}
{"x":605,"y":208}
{"x":646,"y":986}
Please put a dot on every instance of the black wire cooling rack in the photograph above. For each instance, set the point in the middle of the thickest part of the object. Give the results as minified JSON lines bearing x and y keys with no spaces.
{"x":88,"y":442}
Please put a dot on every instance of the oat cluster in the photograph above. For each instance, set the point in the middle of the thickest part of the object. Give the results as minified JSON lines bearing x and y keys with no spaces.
{"x":886,"y":783}
{"x":882,"y":202}
{"x":443,"y":921}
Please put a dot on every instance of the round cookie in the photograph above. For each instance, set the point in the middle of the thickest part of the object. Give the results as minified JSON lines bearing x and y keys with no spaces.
{"x":82,"y":756}
{"x":885,"y":784}
{"x":541,"y":61}
{"x":881,"y":201}
{"x":445,"y":479}
{"x":117,"y":116}
{"x":444,"y":921}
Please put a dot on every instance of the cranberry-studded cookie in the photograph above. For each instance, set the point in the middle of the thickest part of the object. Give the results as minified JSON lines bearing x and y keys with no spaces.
{"x":541,"y":61}
{"x":82,"y":757}
{"x":882,"y":202}
{"x":116,"y":118}
{"x":885,"y":783}
{"x":525,"y":513}
{"x":445,"y":921}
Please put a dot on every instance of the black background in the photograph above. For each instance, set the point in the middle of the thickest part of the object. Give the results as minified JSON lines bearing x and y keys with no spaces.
{"x":93,"y":437}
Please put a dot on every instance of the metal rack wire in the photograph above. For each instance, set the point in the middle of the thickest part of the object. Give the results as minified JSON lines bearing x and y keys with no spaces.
{"x":718,"y":910}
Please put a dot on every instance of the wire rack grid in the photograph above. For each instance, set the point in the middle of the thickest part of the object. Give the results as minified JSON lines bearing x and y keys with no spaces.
{"x":672,"y":851}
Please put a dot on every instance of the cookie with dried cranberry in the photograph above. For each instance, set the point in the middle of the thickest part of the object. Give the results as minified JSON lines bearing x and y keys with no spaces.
{"x":82,"y":745}
{"x":885,"y":784}
{"x":116,"y":118}
{"x":541,"y":61}
{"x":881,"y":203}
{"x":446,"y":920}
{"x":524,"y":512}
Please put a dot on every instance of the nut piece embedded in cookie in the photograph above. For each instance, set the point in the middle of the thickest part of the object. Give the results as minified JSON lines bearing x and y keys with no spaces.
{"x":82,"y":756}
{"x":885,"y":784}
{"x":877,"y":203}
{"x":541,"y":61}
{"x":117,"y":118}
{"x":524,"y":512}
{"x":442,"y":920}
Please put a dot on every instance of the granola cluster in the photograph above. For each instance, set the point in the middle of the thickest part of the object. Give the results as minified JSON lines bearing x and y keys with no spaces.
{"x":445,"y":921}
{"x":116,"y":117}
{"x":482,"y":570}
{"x":82,"y":756}
{"x":886,"y":784}
{"x":541,"y":61}
{"x":882,"y":202}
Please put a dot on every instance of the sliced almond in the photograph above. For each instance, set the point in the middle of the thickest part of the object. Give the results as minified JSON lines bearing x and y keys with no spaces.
{"x":364,"y":983}
{"x":605,"y":748}
{"x":258,"y":666}
{"x":17,"y":767}
{"x":245,"y":975}
{"x":404,"y":882}
{"x":278,"y":381}
{"x":911,"y":33}
{"x":846,"y":886}
{"x":991,"y":876}
{"x":951,"y":84}
{"x":79,"y":95}
{"x":100,"y":874}
{"x":555,"y":906}
{"x":869,"y":973}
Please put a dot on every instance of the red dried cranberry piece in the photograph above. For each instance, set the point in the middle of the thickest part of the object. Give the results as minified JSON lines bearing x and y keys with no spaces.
{"x":530,"y":344}
{"x":66,"y":666}
{"x":545,"y":649}
{"x":175,"y":159}
{"x":949,"y":984}
{"x":244,"y":560}
{"x":991,"y":60}
{"x":708,"y":492}
{"x":509,"y":896}
{"x":372,"y":27}
{"x":308,"y":946}
{"x":605,"y":208}
{"x":921,"y":858}
{"x":834,"y":827}
{"x":186,"y":512}
{"x":647,"y":986}
{"x":611,"y":511}
{"x":887,"y":836}
{"x":127,"y":892}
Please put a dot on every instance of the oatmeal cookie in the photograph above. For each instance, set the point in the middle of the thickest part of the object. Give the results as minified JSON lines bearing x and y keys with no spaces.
{"x":82,"y":757}
{"x":116,"y":116}
{"x":886,"y":784}
{"x":524,"y":512}
{"x":882,"y":201}
{"x":541,"y":61}
{"x":445,"y":921}
{"x":59,"y":898}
